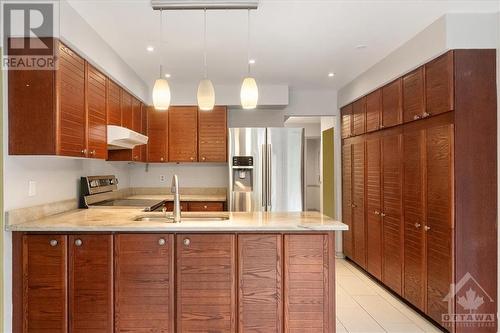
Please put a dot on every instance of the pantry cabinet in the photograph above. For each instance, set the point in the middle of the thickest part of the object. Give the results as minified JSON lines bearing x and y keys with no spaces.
{"x":373,"y":110}
{"x":346,"y":115}
{"x":359,"y":116}
{"x":358,"y":203}
{"x":392,"y":111}
{"x":430,"y":187}
{"x":183,"y":134}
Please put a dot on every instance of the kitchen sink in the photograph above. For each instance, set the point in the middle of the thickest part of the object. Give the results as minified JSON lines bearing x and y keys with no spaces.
{"x":188,"y":218}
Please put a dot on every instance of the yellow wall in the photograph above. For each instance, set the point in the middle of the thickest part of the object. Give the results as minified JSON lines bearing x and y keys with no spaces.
{"x":328,"y":178}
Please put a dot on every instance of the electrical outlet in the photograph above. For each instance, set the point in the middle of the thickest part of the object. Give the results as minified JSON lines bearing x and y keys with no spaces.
{"x":31,"y":188}
{"x":163,"y":178}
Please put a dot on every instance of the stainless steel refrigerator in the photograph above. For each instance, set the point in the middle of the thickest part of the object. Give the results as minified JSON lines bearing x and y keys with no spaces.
{"x":266,"y":171}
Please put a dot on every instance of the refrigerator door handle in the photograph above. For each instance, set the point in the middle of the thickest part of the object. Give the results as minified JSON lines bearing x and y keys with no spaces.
{"x":264,"y":175}
{"x":269,"y":176}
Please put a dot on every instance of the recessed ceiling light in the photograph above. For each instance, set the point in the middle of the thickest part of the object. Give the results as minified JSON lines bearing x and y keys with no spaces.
{"x":361,"y":46}
{"x":150,"y":48}
{"x":167,"y":75}
{"x":331,"y":74}
{"x":251,"y":61}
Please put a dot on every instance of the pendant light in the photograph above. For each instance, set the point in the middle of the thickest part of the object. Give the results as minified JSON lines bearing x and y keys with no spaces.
{"x":249,"y":93}
{"x":161,"y":89}
{"x":206,"y":92}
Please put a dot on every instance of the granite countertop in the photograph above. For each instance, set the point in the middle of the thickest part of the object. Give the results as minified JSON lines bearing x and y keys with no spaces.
{"x":184,"y":197}
{"x":122,"y":219}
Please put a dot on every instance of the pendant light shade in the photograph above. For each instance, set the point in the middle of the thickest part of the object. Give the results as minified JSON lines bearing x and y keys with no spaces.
{"x":249,"y":93}
{"x":161,"y":95}
{"x":206,"y":95}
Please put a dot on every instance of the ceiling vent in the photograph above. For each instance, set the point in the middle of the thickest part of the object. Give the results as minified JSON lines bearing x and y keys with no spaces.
{"x":203,"y":4}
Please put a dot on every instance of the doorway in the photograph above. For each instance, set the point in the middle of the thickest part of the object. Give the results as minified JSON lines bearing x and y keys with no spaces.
{"x":313,"y":174}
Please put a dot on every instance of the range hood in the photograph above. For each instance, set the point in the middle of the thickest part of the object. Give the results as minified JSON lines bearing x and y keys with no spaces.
{"x":203,"y":4}
{"x":124,"y":138}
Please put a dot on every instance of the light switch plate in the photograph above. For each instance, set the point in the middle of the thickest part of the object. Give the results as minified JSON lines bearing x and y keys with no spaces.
{"x":31,"y":188}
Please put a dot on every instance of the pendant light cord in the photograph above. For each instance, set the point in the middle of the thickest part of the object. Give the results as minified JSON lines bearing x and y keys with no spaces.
{"x":205,"y":43}
{"x":161,"y":44}
{"x":248,"y":42}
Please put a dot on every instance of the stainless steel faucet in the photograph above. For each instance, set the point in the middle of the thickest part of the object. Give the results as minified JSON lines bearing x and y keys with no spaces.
{"x":177,"y":202}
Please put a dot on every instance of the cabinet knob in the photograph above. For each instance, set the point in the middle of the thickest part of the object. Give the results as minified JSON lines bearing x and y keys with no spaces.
{"x":381,"y":126}
{"x":84,"y":151}
{"x":161,"y":159}
{"x":376,"y":212}
{"x":78,"y":242}
{"x":416,"y":117}
{"x":53,"y":242}
{"x":417,"y":225}
{"x":426,"y":114}
{"x":191,"y":158}
{"x":382,"y":214}
{"x":353,"y":205}
{"x":203,"y":158}
{"x":205,"y":207}
{"x":426,"y":228}
{"x":162,"y":241}
{"x":186,"y":242}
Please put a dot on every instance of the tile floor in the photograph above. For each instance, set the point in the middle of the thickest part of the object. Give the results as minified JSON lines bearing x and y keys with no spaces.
{"x":363,"y":306}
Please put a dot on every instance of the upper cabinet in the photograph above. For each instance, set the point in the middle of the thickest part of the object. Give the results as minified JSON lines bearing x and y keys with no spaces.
{"x":373,"y":110}
{"x":183,"y":133}
{"x":127,"y":109}
{"x":212,"y":134}
{"x":113,"y":104}
{"x":346,"y":113}
{"x":414,"y":95}
{"x":359,"y":116}
{"x":96,"y":113}
{"x":157,"y":147}
{"x":439,"y":83}
{"x":392,"y":104}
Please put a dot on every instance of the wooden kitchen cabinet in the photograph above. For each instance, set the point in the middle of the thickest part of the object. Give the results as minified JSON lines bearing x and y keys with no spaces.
{"x":358,"y":203}
{"x":96,"y":113}
{"x":157,"y":147}
{"x":90,"y":283}
{"x":113,"y":103}
{"x":439,"y":84}
{"x":144,"y":130}
{"x":127,"y":109}
{"x":346,"y":114}
{"x":309,"y":288}
{"x":373,"y":208}
{"x":201,"y":206}
{"x":260,"y":268}
{"x":373,"y":110}
{"x":40,"y":283}
{"x":347,"y":238}
{"x":392,"y":110}
{"x":414,"y":95}
{"x":206,"y":282}
{"x":169,"y":205}
{"x":359,"y":116}
{"x":144,"y":283}
{"x":137,"y":127}
{"x":183,"y":134}
{"x":212,"y":135}
{"x":392,"y":180}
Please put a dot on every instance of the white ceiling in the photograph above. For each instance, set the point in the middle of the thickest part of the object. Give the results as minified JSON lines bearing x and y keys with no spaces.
{"x":294,"y":42}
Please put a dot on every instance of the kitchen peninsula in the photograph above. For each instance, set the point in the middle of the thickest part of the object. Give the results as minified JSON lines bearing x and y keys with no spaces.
{"x":127,"y":270}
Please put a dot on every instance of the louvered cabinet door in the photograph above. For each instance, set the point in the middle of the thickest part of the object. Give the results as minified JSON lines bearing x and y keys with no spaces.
{"x":373,"y":110}
{"x":373,"y":209}
{"x":144,"y":130}
{"x":96,"y":113}
{"x":414,"y":95}
{"x":91,"y":283}
{"x":144,"y":283}
{"x":358,"y":203}
{"x":212,"y":128}
{"x":439,"y":84}
{"x":346,"y":114}
{"x":45,"y":289}
{"x":439,"y":226}
{"x":183,"y":134}
{"x":260,"y":283}
{"x":71,"y":101}
{"x":359,"y":116}
{"x":157,"y":148}
{"x":392,"y":212}
{"x":414,"y":216}
{"x":206,"y":283}
{"x":136,"y":126}
{"x":113,"y":104}
{"x":347,"y":241}
{"x":392,"y":111}
{"x":309,"y":288}
{"x":127,"y":109}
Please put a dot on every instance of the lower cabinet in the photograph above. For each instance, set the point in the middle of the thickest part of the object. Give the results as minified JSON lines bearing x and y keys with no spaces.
{"x":136,"y":283}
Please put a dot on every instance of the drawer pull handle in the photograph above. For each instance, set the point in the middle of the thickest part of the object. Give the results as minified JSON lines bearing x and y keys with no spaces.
{"x":53,"y":242}
{"x":205,"y":206}
{"x":417,"y":225}
{"x":426,"y":114}
{"x":376,"y":212}
{"x":416,"y":117}
{"x":162,"y":241}
{"x":382,"y":214}
{"x":78,"y":242}
{"x":187,"y":242}
{"x":426,"y":228}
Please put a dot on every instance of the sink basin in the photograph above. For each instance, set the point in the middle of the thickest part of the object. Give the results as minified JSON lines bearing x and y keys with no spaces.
{"x":188,"y":218}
